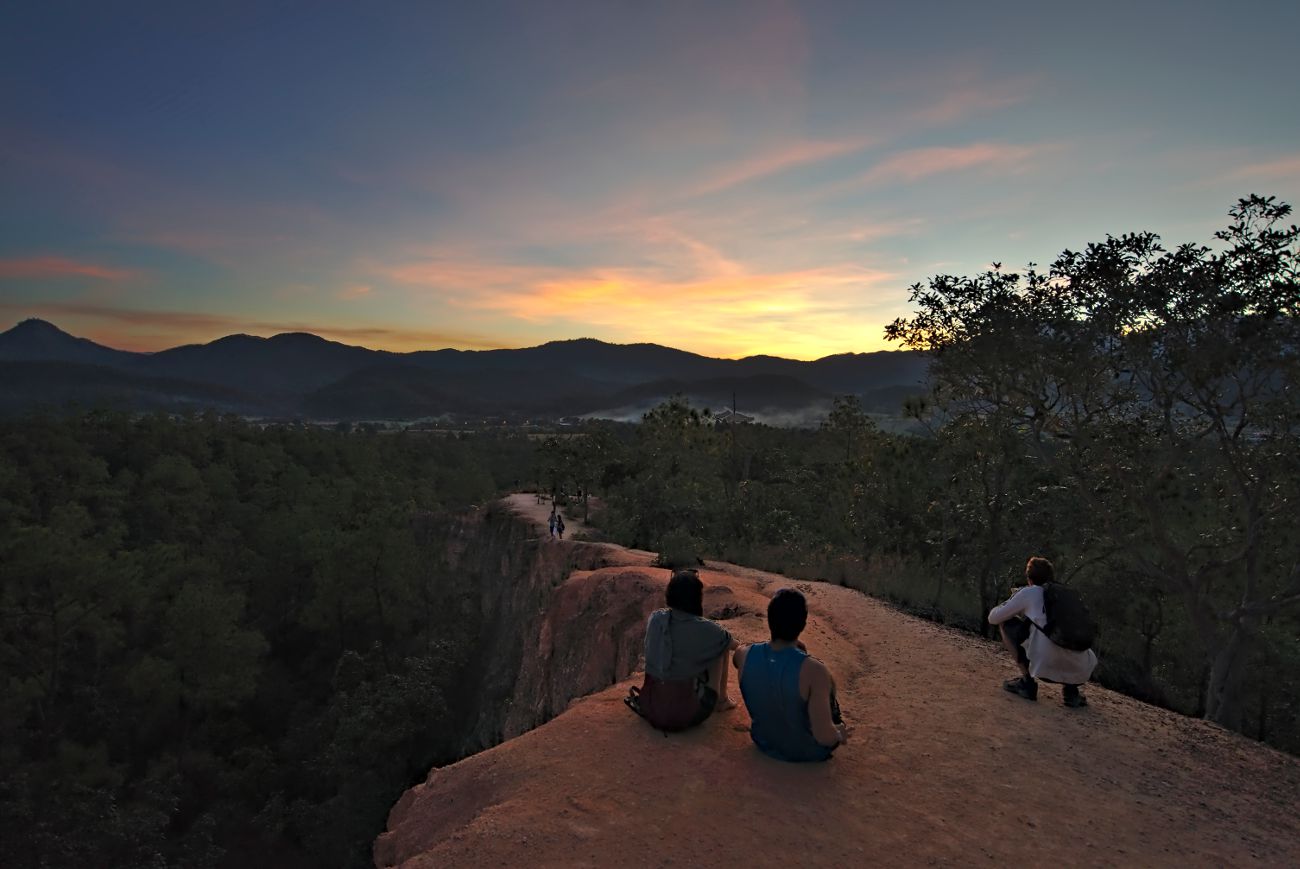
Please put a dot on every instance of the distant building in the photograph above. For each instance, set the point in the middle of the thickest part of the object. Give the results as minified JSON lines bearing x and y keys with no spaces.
{"x":729,"y":417}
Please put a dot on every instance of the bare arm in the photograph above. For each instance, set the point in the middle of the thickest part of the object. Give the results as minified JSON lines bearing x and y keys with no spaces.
{"x":739,"y":658}
{"x":820,"y":686}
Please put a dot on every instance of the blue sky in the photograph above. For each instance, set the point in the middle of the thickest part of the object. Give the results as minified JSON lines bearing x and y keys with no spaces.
{"x":726,"y":178}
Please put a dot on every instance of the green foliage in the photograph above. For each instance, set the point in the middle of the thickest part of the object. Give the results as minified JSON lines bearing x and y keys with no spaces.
{"x":1130,"y":413}
{"x":1158,"y":388}
{"x":218,"y":640}
{"x":678,"y":549}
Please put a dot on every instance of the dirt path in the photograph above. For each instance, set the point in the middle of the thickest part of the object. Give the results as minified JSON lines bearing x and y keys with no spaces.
{"x":526,"y":504}
{"x":944,"y":768}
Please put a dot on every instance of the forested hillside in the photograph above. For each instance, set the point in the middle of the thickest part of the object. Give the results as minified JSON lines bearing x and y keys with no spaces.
{"x":291,"y":375}
{"x":218,"y":640}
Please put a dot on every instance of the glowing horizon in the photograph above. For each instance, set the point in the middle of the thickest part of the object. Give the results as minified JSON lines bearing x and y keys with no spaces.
{"x":740,"y":179}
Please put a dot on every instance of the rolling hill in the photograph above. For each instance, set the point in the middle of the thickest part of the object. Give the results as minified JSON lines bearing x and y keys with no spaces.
{"x":300,"y":374}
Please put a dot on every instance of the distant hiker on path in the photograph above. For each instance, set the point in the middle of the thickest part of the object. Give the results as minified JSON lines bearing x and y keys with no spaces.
{"x":553,"y":522}
{"x":559,"y":525}
{"x":790,"y":695}
{"x":1024,"y":622}
{"x":685,"y":660}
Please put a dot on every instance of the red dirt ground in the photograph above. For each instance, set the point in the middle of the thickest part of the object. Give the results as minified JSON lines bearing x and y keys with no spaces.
{"x":943,"y":768}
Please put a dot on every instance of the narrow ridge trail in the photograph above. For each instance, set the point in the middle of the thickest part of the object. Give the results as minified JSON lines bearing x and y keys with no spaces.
{"x":943,"y":767}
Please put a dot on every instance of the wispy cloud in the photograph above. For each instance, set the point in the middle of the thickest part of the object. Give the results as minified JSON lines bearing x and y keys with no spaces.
{"x":46,"y":267}
{"x":777,"y":160}
{"x":967,"y":99}
{"x":869,"y":231}
{"x":1205,"y":168}
{"x":920,"y":163}
{"x":1282,"y":167}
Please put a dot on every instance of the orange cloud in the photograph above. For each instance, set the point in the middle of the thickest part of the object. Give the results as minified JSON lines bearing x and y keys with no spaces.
{"x":705,"y":302}
{"x":921,"y":163}
{"x":107,"y":324}
{"x":46,"y":267}
{"x":1283,"y":167}
{"x":458,"y":278}
{"x":967,"y":100}
{"x":776,"y":161}
{"x":801,"y":314}
{"x":876,"y":230}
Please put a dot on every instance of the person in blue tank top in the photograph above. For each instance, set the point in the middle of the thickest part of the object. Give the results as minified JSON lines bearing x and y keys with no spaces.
{"x":790,"y":694}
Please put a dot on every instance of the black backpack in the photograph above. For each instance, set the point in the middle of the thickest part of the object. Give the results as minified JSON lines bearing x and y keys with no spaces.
{"x":1069,"y":624}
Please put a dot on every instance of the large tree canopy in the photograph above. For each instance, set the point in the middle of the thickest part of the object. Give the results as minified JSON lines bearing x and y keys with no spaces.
{"x":1163,"y":386}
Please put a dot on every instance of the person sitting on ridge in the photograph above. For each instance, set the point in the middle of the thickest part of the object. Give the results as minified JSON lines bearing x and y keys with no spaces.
{"x":790,"y":695}
{"x":685,"y":660}
{"x":1022,"y":620}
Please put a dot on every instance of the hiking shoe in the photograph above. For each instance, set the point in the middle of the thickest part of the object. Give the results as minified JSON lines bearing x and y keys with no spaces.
{"x":1025,"y":687}
{"x":1071,"y":697}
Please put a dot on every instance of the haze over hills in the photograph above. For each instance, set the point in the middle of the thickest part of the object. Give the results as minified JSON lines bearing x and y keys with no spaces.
{"x":299,"y":374}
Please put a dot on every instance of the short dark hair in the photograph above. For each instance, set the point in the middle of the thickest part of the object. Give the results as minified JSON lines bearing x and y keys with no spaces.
{"x":787,"y":615}
{"x":1039,"y":570}
{"x":686,"y":592}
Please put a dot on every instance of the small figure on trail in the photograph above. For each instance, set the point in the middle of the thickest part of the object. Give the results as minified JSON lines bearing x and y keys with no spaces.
{"x":685,"y":660}
{"x":559,"y":525}
{"x":790,"y":695}
{"x":554,"y":521}
{"x":1027,"y":635}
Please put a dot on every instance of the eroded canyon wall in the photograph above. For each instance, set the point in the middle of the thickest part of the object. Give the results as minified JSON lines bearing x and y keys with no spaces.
{"x":559,"y":620}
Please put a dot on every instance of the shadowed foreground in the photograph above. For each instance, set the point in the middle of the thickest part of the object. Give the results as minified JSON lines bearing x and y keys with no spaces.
{"x":943,"y":765}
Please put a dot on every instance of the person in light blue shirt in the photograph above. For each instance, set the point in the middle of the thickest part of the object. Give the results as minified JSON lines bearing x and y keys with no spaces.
{"x":790,"y":695}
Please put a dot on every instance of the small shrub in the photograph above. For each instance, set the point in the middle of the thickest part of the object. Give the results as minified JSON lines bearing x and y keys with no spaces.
{"x":678,"y":549}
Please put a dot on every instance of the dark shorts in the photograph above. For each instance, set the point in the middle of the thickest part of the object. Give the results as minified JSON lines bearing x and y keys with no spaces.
{"x":1018,"y":630}
{"x":708,"y":699}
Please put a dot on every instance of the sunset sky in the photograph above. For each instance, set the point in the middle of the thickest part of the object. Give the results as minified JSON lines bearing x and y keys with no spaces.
{"x":727,"y":178}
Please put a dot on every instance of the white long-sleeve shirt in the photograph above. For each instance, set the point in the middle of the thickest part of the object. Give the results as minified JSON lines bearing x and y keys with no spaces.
{"x":1046,"y":659}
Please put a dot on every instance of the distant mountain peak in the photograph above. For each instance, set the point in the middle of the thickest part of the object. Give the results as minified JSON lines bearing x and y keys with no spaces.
{"x":299,"y":338}
{"x":577,"y":342}
{"x":37,"y":339}
{"x":237,"y":338}
{"x":295,"y":371}
{"x":36,"y":326}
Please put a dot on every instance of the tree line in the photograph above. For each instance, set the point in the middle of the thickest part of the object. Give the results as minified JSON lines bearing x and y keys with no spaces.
{"x":1132,"y":412}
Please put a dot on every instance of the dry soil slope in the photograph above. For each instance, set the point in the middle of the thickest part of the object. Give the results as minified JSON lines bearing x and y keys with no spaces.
{"x":944,"y":767}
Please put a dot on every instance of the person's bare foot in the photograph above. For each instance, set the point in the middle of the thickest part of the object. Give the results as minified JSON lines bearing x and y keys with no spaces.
{"x":724,"y":703}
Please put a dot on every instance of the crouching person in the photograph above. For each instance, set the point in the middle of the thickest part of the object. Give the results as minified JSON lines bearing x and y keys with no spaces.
{"x":685,"y":660}
{"x":1025,"y":628}
{"x":790,"y":695}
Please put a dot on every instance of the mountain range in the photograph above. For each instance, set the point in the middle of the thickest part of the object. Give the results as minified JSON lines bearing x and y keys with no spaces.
{"x":300,"y":375}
